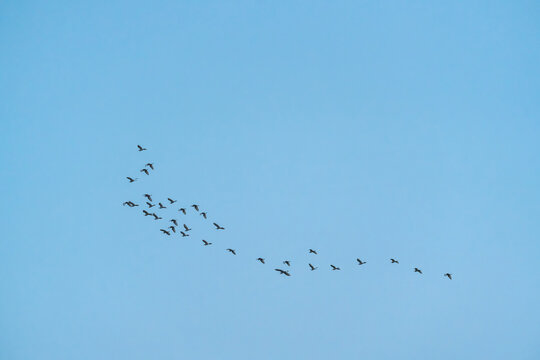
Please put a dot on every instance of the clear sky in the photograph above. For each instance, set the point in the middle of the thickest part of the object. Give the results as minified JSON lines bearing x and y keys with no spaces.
{"x":371,"y":129}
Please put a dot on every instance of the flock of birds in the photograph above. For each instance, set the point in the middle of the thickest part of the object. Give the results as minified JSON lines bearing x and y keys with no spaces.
{"x":184,"y":230}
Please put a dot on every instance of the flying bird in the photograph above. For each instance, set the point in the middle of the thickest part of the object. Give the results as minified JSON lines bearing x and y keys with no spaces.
{"x":335,"y":267}
{"x":131,"y":179}
{"x":150,"y":165}
{"x":174,"y":222}
{"x":448,"y":276}
{"x":172,"y":228}
{"x":146,"y":213}
{"x":186,"y":228}
{"x":287,"y":262}
{"x":171,"y":200}
{"x":182,"y":210}
{"x":145,"y":171}
{"x":129,"y":203}
{"x":232,"y":251}
{"x":161,"y":206}
{"x":206,"y":243}
{"x":261,"y":260}
{"x":417,"y":270}
{"x":312,"y":267}
{"x":150,"y":205}
{"x":165,"y":232}
{"x":360,"y":262}
{"x":183,"y":234}
{"x":156,"y":217}
{"x":148,"y":196}
{"x":195,"y":206}
{"x":311,"y":251}
{"x":203,"y":215}
{"x":218,"y":227}
{"x":141,"y":148}
{"x":394,"y":261}
{"x":283,"y":272}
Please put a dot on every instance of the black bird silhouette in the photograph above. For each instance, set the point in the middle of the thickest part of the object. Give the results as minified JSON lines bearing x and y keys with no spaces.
{"x":417,"y":270}
{"x":195,"y":206}
{"x":183,"y":234}
{"x":145,"y":171}
{"x":335,"y":267}
{"x":311,"y":251}
{"x":287,"y":262}
{"x":161,"y":206}
{"x":186,"y":228}
{"x":150,"y":165}
{"x":150,"y":205}
{"x":218,"y":227}
{"x":141,"y":148}
{"x":146,"y":213}
{"x":171,"y":200}
{"x":182,"y":210}
{"x":312,"y":267}
{"x":205,"y":243}
{"x":203,"y":215}
{"x":232,"y":251}
{"x":283,"y":272}
{"x":394,"y":261}
{"x":165,"y":232}
{"x":156,"y":217}
{"x":261,"y":260}
{"x":172,"y":228}
{"x":148,"y":196}
{"x":360,"y":262}
{"x":174,"y":222}
{"x":131,"y":179}
{"x":130,"y":204}
{"x":448,"y":276}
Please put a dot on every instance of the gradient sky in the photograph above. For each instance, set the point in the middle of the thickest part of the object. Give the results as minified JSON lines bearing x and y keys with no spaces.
{"x":371,"y":129}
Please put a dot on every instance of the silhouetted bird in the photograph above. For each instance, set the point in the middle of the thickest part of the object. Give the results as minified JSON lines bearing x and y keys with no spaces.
{"x":161,"y":206}
{"x":141,"y":148}
{"x":183,"y":234}
{"x":312,"y":267}
{"x":156,"y":217}
{"x":261,"y":260}
{"x":335,"y":267}
{"x":203,"y":215}
{"x":172,"y":228}
{"x":283,"y":272}
{"x":360,"y":262}
{"x":206,"y":243}
{"x":186,"y":228}
{"x":150,"y":205}
{"x":182,"y":210}
{"x":171,"y":200}
{"x":165,"y":232}
{"x":148,"y":196}
{"x":287,"y":262}
{"x":130,"y":204}
{"x":448,"y":276}
{"x":174,"y":222}
{"x":145,"y":171}
{"x":218,"y":227}
{"x":394,"y":261}
{"x":195,"y":206}
{"x":131,"y":179}
{"x":232,"y":251}
{"x":146,"y":213}
{"x":417,"y":270}
{"x":311,"y":251}
{"x":150,"y":165}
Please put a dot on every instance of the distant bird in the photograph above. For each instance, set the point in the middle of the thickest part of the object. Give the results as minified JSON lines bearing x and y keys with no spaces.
{"x":206,"y":243}
{"x":394,"y":261}
{"x":183,"y":234}
{"x":203,"y":215}
{"x":150,"y":165}
{"x":261,"y":260}
{"x":360,"y":262}
{"x":312,"y":267}
{"x":218,"y":227}
{"x":335,"y":267}
{"x":186,"y":228}
{"x":165,"y":232}
{"x":156,"y":217}
{"x":171,"y":200}
{"x":417,"y":270}
{"x":287,"y":262}
{"x":146,"y":213}
{"x":148,"y":196}
{"x":141,"y":148}
{"x":232,"y":251}
{"x":182,"y":210}
{"x":129,"y":203}
{"x":161,"y":206}
{"x":195,"y":206}
{"x":283,"y":272}
{"x":131,"y":179}
{"x":174,"y":222}
{"x":145,"y":171}
{"x":311,"y":251}
{"x":172,"y":228}
{"x":150,"y":205}
{"x":448,"y":276}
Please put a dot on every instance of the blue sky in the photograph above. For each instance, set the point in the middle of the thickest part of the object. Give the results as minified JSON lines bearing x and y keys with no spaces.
{"x":368,"y":129}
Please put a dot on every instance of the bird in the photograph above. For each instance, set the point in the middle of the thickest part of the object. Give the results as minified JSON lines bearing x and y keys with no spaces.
{"x":203,"y":215}
{"x":283,"y":272}
{"x":150,"y":205}
{"x":172,"y":228}
{"x":335,"y":267}
{"x":165,"y":232}
{"x":146,"y":213}
{"x":448,"y":276}
{"x":171,"y":200}
{"x":232,"y":251}
{"x":287,"y":262}
{"x":311,"y":251}
{"x":261,"y":260}
{"x":218,"y":227}
{"x":417,"y":270}
{"x":145,"y":171}
{"x":206,"y":243}
{"x":141,"y":148}
{"x":161,"y":206}
{"x":183,"y":234}
{"x":360,"y":262}
{"x":312,"y":267}
{"x":130,"y":204}
{"x":174,"y":222}
{"x":394,"y":261}
{"x":195,"y":206}
{"x":148,"y":196}
{"x":156,"y":217}
{"x":131,"y":179}
{"x":186,"y":228}
{"x":182,"y":210}
{"x":150,"y":165}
